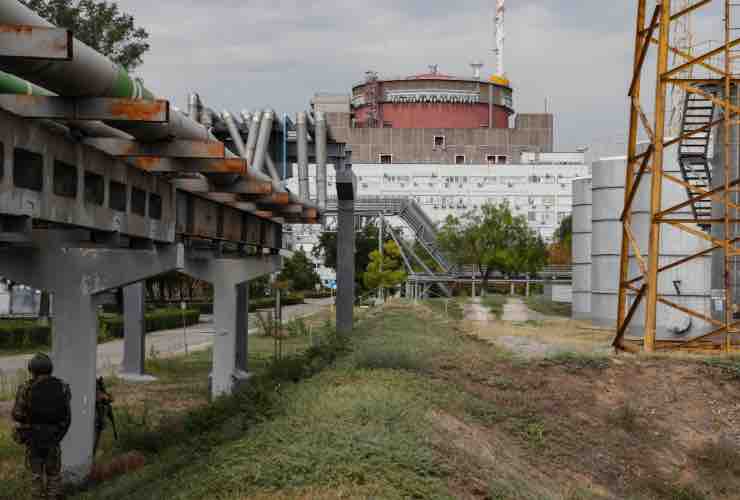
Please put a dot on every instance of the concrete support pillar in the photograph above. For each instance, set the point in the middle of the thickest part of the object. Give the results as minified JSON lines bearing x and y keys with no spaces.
{"x":527,"y":289}
{"x":345,"y":266}
{"x":224,"y":375}
{"x":321,"y":158}
{"x":242,"y":328}
{"x":302,"y":144}
{"x":74,"y":352}
{"x":134,"y":347}
{"x":230,"y":277}
{"x":513,"y":289}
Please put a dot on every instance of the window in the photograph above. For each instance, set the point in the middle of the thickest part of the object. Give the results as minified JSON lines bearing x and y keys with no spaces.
{"x":138,"y":202}
{"x":155,"y":206}
{"x":117,"y":196}
{"x":439,"y":141}
{"x":94,"y":188}
{"x":491,"y":159}
{"x":459,"y":159}
{"x":28,"y":169}
{"x":65,"y":179}
{"x":386,"y":159}
{"x":532,"y":216}
{"x":502,"y":160}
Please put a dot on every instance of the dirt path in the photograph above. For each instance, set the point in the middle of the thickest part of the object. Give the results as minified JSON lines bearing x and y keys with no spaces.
{"x":475,"y":311}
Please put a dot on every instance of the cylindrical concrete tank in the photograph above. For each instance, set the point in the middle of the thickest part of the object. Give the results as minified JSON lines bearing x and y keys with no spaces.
{"x":581,"y":252}
{"x":687,"y":284}
{"x":608,"y":176}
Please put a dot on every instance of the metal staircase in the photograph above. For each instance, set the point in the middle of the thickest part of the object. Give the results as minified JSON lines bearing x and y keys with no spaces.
{"x":413,"y":215}
{"x":693,"y":152}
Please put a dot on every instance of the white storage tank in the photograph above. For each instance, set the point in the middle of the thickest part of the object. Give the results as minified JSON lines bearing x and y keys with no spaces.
{"x":687,"y":285}
{"x":581,"y":251}
{"x":608,"y":176}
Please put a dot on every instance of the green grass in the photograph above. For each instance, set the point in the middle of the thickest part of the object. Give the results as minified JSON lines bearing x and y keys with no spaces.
{"x":543,"y":306}
{"x":361,"y":423}
{"x":495,"y":304}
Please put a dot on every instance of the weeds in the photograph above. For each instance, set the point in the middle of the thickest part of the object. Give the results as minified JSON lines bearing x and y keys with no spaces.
{"x":495,"y":304}
{"x":625,"y":417}
{"x":579,"y":361}
{"x":543,"y":306}
{"x":9,"y":383}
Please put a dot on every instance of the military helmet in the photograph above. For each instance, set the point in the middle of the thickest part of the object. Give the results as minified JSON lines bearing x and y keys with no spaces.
{"x":40,"y":364}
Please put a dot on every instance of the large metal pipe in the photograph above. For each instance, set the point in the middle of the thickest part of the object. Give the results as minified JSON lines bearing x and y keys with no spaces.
{"x":253,"y":135}
{"x":263,"y":141}
{"x":236,"y":136}
{"x":302,"y":139}
{"x":94,"y":75}
{"x":89,"y":74}
{"x":321,"y":158}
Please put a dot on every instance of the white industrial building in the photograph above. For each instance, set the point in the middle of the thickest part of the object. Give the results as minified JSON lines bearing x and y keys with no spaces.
{"x":539,"y":188}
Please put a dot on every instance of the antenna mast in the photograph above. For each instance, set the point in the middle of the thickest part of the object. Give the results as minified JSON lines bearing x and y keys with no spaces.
{"x":499,"y":35}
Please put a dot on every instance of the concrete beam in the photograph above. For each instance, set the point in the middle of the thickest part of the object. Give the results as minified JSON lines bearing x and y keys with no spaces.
{"x":164,"y":165}
{"x":86,"y":108}
{"x":170,"y":149}
{"x":35,"y":42}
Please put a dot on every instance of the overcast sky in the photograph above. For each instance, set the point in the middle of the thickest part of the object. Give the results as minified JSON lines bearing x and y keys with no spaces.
{"x":278,"y":53}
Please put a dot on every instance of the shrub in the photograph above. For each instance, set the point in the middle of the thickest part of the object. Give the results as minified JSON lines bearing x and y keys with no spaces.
{"x":161,"y":319}
{"x":24,"y":334}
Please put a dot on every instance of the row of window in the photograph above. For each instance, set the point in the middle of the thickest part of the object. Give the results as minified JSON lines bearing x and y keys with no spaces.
{"x":28,"y":173}
{"x":387,"y":159}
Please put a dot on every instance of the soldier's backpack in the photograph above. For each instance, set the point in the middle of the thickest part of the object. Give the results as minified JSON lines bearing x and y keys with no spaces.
{"x":48,"y":411}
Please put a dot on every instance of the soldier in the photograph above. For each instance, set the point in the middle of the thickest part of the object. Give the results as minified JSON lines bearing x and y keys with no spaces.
{"x":42,"y":414}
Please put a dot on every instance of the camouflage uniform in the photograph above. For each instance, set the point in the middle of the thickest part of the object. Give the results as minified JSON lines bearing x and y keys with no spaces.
{"x":44,"y":462}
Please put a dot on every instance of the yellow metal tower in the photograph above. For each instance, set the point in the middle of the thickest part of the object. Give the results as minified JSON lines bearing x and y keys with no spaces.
{"x":710,"y":78}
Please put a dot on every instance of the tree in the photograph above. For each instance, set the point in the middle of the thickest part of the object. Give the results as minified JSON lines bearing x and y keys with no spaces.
{"x":493,"y":239}
{"x":560,"y":250}
{"x":99,"y":24}
{"x":299,"y":272}
{"x":366,"y":241}
{"x":386,"y":270}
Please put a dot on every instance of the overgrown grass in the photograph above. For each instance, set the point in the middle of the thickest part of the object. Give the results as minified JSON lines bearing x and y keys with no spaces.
{"x":450,"y":308}
{"x":540,"y":304}
{"x":495,"y":303}
{"x":579,"y":360}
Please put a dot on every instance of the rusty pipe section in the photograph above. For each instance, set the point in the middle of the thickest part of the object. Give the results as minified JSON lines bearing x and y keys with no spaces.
{"x":302,"y":142}
{"x":91,"y":74}
{"x":320,"y":136}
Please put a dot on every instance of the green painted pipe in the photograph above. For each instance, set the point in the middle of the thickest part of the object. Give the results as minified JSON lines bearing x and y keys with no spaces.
{"x":11,"y":84}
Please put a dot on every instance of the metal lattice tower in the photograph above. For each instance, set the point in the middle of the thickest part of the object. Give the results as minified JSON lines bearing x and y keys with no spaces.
{"x":713,"y":82}
{"x":682,"y":38}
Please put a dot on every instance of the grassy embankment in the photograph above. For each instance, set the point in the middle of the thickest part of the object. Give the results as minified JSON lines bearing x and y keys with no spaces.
{"x":413,"y":407}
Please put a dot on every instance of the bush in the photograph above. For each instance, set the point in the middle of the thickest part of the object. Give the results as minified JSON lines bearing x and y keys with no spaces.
{"x":161,"y":319}
{"x":17,"y":334}
{"x":269,"y":302}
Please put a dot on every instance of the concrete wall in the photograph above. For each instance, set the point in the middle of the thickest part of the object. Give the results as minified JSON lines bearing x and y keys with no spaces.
{"x":412,"y":145}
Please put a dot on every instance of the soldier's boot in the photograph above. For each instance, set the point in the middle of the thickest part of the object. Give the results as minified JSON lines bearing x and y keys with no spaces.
{"x":54,"y":487}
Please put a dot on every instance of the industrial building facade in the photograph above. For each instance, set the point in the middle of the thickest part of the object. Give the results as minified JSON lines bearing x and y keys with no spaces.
{"x":434,"y":118}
